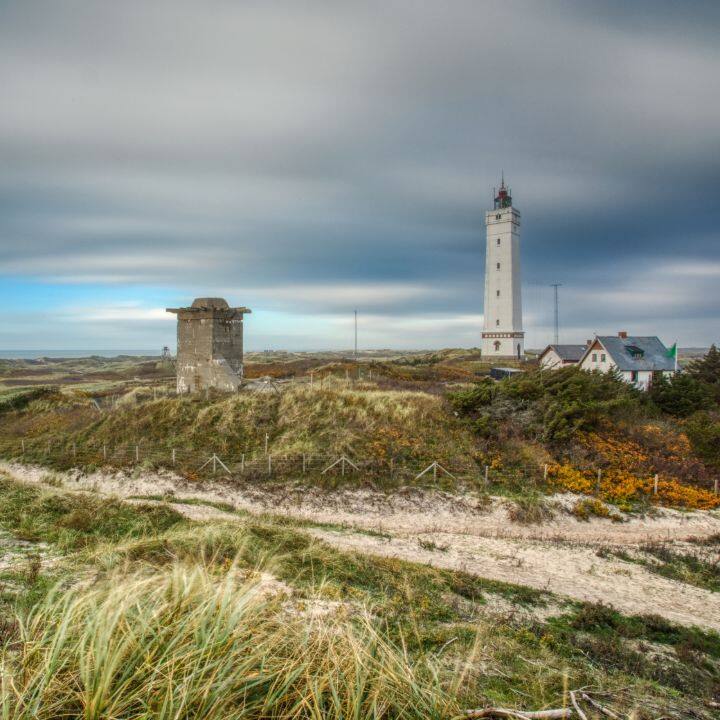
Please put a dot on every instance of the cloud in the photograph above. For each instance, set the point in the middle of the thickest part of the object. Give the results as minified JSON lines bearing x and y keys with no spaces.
{"x":308,"y":158}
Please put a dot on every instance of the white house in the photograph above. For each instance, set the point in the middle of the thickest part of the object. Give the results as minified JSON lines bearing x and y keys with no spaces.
{"x":635,"y":358}
{"x":557,"y":356}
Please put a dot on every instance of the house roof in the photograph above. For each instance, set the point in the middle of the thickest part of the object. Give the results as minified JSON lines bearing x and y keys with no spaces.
{"x":567,"y":353}
{"x":636,"y":352}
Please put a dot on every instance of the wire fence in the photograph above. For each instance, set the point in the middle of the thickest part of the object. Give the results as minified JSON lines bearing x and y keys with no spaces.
{"x":259,"y":466}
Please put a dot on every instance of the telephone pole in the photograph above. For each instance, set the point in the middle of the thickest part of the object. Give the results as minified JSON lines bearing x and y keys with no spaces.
{"x":555,"y":287}
{"x":355,"y":354}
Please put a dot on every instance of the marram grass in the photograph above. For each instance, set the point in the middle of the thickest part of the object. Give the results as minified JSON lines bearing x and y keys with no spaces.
{"x":184,"y":643}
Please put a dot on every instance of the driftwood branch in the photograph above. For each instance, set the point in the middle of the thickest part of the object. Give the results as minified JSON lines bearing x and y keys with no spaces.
{"x":578,"y":710}
{"x":601,"y":708}
{"x":491,"y":712}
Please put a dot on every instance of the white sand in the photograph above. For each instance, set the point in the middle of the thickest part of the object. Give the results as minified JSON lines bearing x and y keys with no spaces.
{"x":458,"y":533}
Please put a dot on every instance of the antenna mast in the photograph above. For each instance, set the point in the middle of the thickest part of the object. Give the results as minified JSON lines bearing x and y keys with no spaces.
{"x":555,"y":287}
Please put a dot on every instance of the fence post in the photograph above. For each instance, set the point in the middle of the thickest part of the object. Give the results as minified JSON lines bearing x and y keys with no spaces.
{"x":267,"y":437}
{"x":137,"y":453}
{"x":599,"y":479}
{"x":303,"y":464}
{"x":545,"y":473}
{"x":716,"y":484}
{"x":392,"y":467}
{"x":242,"y":463}
{"x":104,"y":451}
{"x":214,"y":459}
{"x":23,"y":446}
{"x":269,"y":464}
{"x":173,"y":456}
{"x":655,"y":484}
{"x":487,"y":473}
{"x":74,"y":451}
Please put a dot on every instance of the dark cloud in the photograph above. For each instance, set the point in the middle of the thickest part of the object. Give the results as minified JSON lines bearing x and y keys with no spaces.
{"x":285,"y":151}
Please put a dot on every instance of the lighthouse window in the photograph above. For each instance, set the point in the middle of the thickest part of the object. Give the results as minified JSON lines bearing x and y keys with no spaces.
{"x":498,"y":242}
{"x":498,"y":216}
{"x":497,"y":293}
{"x":498,"y":266}
{"x":497,"y":323}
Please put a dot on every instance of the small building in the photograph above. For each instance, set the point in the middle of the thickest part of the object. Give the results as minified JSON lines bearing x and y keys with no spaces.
{"x":209,"y":345}
{"x":635,"y":357}
{"x":557,"y":356}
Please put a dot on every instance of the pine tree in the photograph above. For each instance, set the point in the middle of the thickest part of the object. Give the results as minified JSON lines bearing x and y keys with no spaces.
{"x":707,"y":369}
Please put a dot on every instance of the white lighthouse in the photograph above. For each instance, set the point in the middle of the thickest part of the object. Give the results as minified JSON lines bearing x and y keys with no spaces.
{"x":503,"y":334}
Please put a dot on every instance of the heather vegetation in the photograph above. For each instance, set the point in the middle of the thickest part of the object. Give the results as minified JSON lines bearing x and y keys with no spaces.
{"x":540,"y":430}
{"x":578,"y":423}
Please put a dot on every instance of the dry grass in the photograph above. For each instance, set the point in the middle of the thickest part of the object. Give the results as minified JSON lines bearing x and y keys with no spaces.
{"x":182,"y":642}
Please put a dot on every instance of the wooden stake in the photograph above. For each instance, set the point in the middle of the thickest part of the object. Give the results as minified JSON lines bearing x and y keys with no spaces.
{"x":267,"y":437}
{"x":303,"y":464}
{"x":269,"y":464}
{"x":599,"y":480}
{"x":137,"y":453}
{"x":655,"y":484}
{"x":23,"y":446}
{"x":173,"y":456}
{"x":487,"y":475}
{"x":545,"y":473}
{"x":242,"y":463}
{"x":104,"y":451}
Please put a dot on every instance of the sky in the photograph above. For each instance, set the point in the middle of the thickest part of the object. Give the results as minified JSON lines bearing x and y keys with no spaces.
{"x":306,"y":159}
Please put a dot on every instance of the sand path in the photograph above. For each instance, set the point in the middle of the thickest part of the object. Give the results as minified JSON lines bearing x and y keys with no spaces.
{"x":458,"y":533}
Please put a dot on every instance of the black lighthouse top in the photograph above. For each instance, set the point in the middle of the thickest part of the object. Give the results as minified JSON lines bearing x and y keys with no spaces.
{"x":503,"y":199}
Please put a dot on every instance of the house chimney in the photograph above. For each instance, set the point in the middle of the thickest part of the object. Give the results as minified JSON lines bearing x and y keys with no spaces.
{"x":622,"y":334}
{"x":588,"y":343}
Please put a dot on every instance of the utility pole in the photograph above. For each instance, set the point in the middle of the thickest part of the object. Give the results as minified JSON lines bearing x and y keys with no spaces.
{"x":555,"y":287}
{"x":355,"y":355}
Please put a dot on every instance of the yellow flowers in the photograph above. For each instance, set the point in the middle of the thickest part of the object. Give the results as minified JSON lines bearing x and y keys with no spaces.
{"x":621,"y":486}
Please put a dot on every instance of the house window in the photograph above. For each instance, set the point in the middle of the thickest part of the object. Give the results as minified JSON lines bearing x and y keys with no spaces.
{"x":497,"y":293}
{"x":634,"y":375}
{"x":602,"y":357}
{"x":594,"y":357}
{"x":498,"y":266}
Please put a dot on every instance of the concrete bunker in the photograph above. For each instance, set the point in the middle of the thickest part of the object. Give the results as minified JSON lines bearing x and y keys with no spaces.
{"x":209,"y":345}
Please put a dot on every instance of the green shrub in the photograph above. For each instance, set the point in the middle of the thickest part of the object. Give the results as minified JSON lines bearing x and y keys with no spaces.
{"x":703,"y":431}
{"x":551,"y":406}
{"x":681,"y":395}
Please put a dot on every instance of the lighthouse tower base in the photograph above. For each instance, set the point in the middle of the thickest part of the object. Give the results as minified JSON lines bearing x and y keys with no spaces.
{"x":503,"y":345}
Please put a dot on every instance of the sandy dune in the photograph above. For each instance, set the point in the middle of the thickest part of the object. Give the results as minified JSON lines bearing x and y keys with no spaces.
{"x":459,"y":533}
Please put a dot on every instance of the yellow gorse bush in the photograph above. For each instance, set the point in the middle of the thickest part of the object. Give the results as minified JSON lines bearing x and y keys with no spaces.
{"x":621,"y":486}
